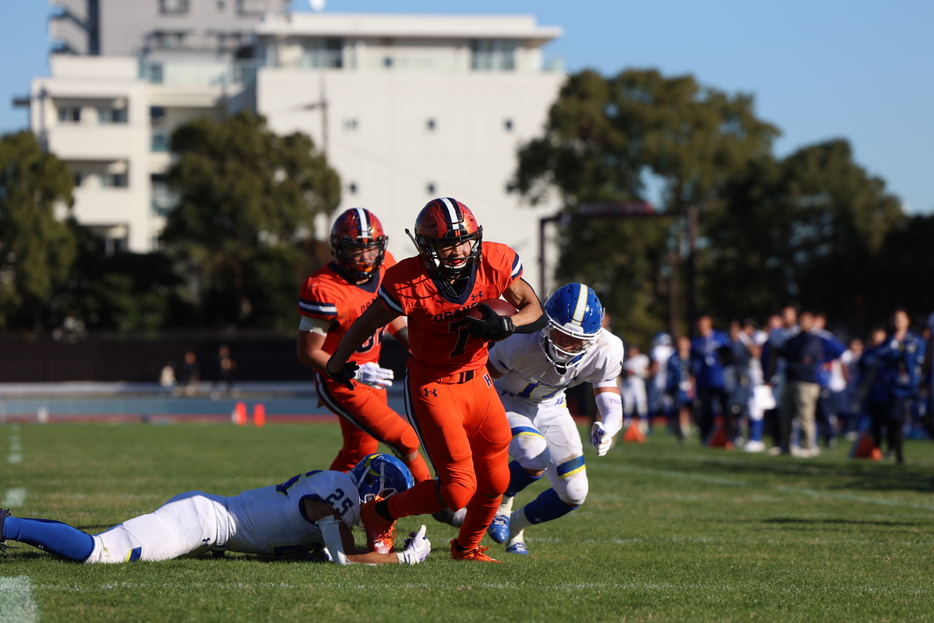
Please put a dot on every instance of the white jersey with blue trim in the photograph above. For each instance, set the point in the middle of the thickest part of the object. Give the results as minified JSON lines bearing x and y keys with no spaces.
{"x":271,"y":520}
{"x":528,"y":374}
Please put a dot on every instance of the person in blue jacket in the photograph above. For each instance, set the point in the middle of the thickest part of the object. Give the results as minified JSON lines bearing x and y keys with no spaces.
{"x":900,"y":355}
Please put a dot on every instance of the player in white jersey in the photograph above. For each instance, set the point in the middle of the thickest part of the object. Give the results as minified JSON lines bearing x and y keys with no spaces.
{"x":310,"y":510}
{"x":533,"y":372}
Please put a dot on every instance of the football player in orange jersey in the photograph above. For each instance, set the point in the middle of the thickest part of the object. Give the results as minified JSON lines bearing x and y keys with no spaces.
{"x":331,"y":300}
{"x":450,"y":399}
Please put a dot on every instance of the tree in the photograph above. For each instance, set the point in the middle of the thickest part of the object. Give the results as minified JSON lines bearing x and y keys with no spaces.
{"x":36,"y":248}
{"x":806,"y":230}
{"x":246,"y":195}
{"x":604,"y":138}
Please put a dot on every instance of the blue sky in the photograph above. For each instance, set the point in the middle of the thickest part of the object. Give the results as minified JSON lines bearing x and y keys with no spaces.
{"x":819,"y":69}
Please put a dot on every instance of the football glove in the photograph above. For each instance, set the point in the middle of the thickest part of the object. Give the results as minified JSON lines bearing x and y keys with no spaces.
{"x":417,"y":548}
{"x":602,"y":437}
{"x":493,"y":326}
{"x":371,"y":374}
{"x":347,"y":372}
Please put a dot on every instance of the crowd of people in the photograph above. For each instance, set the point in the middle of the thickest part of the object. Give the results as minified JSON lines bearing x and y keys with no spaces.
{"x":789,"y":387}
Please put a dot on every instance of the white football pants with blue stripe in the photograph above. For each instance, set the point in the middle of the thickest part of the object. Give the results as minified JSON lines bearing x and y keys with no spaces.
{"x":191,"y":523}
{"x":545,"y":437}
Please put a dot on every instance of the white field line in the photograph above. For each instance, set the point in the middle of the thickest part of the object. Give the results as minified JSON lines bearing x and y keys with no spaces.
{"x":729,"y":482}
{"x":14,"y":497}
{"x":16,"y":602}
{"x":518,"y":586}
{"x":16,"y":448}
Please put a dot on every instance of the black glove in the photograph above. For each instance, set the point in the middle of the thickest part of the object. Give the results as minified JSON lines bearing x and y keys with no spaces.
{"x":347,"y":372}
{"x":493,"y":327}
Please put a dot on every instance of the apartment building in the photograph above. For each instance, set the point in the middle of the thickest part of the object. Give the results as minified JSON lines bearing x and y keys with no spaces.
{"x":407,"y":108}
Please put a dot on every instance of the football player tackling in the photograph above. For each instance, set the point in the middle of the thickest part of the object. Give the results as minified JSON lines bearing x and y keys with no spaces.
{"x":533,"y":372}
{"x":290,"y":518}
{"x":331,"y":300}
{"x":450,"y":400}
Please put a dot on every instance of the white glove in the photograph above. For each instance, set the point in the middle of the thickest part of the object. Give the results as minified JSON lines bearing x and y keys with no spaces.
{"x":602,"y":437}
{"x":374,"y":376}
{"x":417,"y":548}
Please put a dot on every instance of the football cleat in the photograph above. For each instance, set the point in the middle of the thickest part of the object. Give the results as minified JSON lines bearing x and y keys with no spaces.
{"x":470,"y":554}
{"x":499,"y":528}
{"x":451,"y":518}
{"x":380,"y":533}
{"x":516,"y":545}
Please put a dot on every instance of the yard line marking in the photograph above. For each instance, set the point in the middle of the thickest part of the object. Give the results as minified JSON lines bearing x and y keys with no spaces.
{"x":728,"y":482}
{"x":16,"y":602}
{"x":14,"y":497}
{"x":16,"y":448}
{"x":521,"y":586}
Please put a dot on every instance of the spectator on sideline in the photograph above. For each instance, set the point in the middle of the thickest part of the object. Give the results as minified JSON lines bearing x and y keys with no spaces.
{"x":189,"y":373}
{"x":708,"y":375}
{"x":681,"y":386}
{"x":659,"y":401}
{"x":802,"y":354}
{"x":899,"y":354}
{"x":830,"y":379}
{"x":782,"y":327}
{"x":635,"y":401}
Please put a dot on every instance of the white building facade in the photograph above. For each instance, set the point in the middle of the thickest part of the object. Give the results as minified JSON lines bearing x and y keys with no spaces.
{"x":407,"y":108}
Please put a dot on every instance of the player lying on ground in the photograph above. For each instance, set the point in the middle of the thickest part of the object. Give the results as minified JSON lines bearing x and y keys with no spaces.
{"x":533,"y":372}
{"x":299,"y":515}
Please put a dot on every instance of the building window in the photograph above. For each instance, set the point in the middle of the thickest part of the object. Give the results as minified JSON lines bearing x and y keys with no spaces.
{"x":351,"y":125}
{"x":323,"y":52}
{"x":430,"y":124}
{"x":173,"y":6}
{"x":508,"y":125}
{"x":70,"y":114}
{"x":115,"y":180}
{"x":221,"y":5}
{"x":155,"y":74}
{"x":163,"y":199}
{"x":156,"y":115}
{"x":111,"y":115}
{"x":159,"y":141}
{"x":170,"y":39}
{"x":387,"y":62}
{"x":492,"y":55}
{"x":252,"y":6}
{"x":78,"y":178}
{"x":430,"y":188}
{"x":352,"y":188}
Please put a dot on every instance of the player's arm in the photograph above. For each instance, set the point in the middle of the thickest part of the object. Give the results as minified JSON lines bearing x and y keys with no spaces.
{"x":400,"y":330}
{"x":310,"y":344}
{"x":377,"y":315}
{"x":530,"y":317}
{"x":610,"y":408}
{"x":340,"y":543}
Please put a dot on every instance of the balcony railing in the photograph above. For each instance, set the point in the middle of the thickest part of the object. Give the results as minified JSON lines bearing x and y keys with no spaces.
{"x":198,"y":73}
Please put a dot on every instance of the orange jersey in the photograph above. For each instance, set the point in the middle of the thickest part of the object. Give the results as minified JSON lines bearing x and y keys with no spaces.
{"x":439,"y":340}
{"x":327,"y":296}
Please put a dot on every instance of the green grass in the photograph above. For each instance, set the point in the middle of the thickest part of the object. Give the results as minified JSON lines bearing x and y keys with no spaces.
{"x":668,"y":533}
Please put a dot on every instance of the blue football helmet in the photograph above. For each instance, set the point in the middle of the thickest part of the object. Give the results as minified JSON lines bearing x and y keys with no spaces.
{"x":661,"y":339}
{"x":575,"y":319}
{"x":381,"y":475}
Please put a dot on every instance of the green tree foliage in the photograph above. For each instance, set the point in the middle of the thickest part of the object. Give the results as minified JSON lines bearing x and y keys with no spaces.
{"x":603,"y":138}
{"x":36,"y":249}
{"x":807,"y":229}
{"x":247,"y":198}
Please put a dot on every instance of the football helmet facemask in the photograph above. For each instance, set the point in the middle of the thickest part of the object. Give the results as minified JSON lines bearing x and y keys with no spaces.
{"x":356,"y":231}
{"x":381,"y":475}
{"x":575,"y":319}
{"x":446,"y":221}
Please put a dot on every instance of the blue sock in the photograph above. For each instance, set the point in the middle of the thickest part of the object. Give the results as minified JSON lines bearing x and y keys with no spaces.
{"x":546,"y":507}
{"x":519,"y":479}
{"x":52,"y":536}
{"x":756,"y":427}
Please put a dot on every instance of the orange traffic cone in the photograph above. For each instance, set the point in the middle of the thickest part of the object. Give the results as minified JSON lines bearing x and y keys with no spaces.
{"x":259,"y":414}
{"x":634,"y":434}
{"x":876,"y":454}
{"x":864,"y":447}
{"x":718,"y":439}
{"x":239,"y":414}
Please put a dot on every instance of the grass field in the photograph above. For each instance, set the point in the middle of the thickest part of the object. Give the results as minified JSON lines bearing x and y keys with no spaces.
{"x":668,"y":533}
